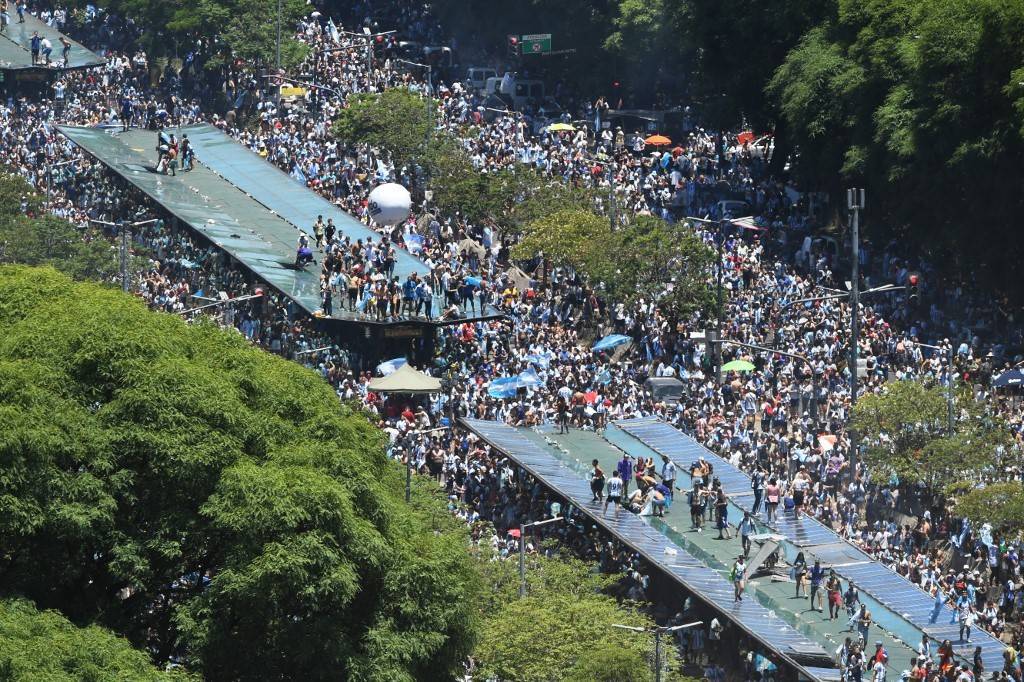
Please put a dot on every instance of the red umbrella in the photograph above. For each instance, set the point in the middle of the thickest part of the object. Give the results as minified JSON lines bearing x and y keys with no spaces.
{"x":746,"y":137}
{"x":657,"y":141}
{"x":514,"y":532}
{"x":591,"y":397}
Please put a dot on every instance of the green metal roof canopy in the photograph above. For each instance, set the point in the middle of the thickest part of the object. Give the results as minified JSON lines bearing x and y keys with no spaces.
{"x":15,"y":51}
{"x":261,"y":233}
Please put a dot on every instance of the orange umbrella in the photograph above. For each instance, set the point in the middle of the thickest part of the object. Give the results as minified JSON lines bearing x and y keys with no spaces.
{"x":745,"y":137}
{"x":657,"y":141}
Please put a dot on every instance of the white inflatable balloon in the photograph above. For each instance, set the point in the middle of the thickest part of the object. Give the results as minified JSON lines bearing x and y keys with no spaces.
{"x":389,"y":204}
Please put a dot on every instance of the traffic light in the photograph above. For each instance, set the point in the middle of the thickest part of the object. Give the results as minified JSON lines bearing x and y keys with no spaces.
{"x":513,"y":47}
{"x":913,"y":292}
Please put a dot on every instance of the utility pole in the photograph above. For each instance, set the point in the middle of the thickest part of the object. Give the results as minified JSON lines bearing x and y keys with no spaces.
{"x":49,"y":178}
{"x":719,"y":268}
{"x":721,"y":303}
{"x":522,"y":549}
{"x":409,"y":458}
{"x":277,"y":68}
{"x":124,"y":257}
{"x":430,"y":104}
{"x":855,"y":203}
{"x":123,"y":229}
{"x":949,"y":389}
{"x":658,"y":630}
{"x":611,"y":197}
{"x":950,"y":414}
{"x":429,"y":97}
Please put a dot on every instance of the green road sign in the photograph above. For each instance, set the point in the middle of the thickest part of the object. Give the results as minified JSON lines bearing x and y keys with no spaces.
{"x":537,"y":43}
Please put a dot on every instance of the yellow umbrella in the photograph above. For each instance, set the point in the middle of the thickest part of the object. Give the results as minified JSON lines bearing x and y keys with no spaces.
{"x":560,"y":127}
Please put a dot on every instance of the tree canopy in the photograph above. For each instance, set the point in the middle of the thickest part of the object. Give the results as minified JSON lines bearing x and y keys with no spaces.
{"x":562,"y":630}
{"x":905,"y":433}
{"x":210,"y":502}
{"x":33,"y":237}
{"x":245,"y":29}
{"x":397,"y":120}
{"x":1000,"y":504}
{"x":918,"y":101}
{"x":44,"y":645}
{"x":644,"y":259}
{"x":921,"y":102}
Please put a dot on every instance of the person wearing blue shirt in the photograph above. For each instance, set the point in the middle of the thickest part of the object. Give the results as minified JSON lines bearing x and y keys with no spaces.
{"x":668,"y":475}
{"x":409,"y":293}
{"x":625,"y":469}
{"x":817,"y":574}
{"x":35,"y":43}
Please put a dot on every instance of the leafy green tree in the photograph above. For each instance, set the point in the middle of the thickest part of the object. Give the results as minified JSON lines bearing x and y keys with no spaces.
{"x":240,"y":28}
{"x":905,"y":432}
{"x":644,"y":259}
{"x":569,"y":237}
{"x":459,"y":187}
{"x":563,"y":629}
{"x":670,"y":266}
{"x":34,"y":237}
{"x":209,"y":501}
{"x":1001,"y":504}
{"x":916,"y":101}
{"x":398,"y":121}
{"x":43,"y":645}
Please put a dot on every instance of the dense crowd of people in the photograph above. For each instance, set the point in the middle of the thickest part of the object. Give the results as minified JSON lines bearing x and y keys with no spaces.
{"x":785,"y":421}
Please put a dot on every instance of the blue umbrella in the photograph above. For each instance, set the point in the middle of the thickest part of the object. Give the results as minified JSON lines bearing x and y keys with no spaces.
{"x":386,"y":368}
{"x":1013,"y":377}
{"x":473,"y":281}
{"x":611,"y":341}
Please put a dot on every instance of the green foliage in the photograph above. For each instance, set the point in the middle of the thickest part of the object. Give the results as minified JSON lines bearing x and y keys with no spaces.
{"x":43,"y":645}
{"x":653,"y":261}
{"x":508,"y":199}
{"x":563,"y":629}
{"x":905,"y":433}
{"x":636,"y":261}
{"x":38,"y":238}
{"x":398,"y":121}
{"x":570,"y":237}
{"x":241,"y":28}
{"x":919,"y":101}
{"x":1001,"y":504}
{"x":459,"y":187}
{"x":254,"y":519}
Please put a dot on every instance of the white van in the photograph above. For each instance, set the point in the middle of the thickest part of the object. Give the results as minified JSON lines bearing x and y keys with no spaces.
{"x":476,"y":77}
{"x":515,"y":91}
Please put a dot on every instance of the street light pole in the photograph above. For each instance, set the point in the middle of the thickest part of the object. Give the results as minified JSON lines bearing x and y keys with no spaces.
{"x":855,"y":203}
{"x":49,"y":177}
{"x":611,"y":197}
{"x":797,"y":356}
{"x":429,"y":99}
{"x":950,"y":426}
{"x":658,"y":630}
{"x":123,"y":228}
{"x":522,"y":549}
{"x":720,"y":244}
{"x":226,"y":301}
